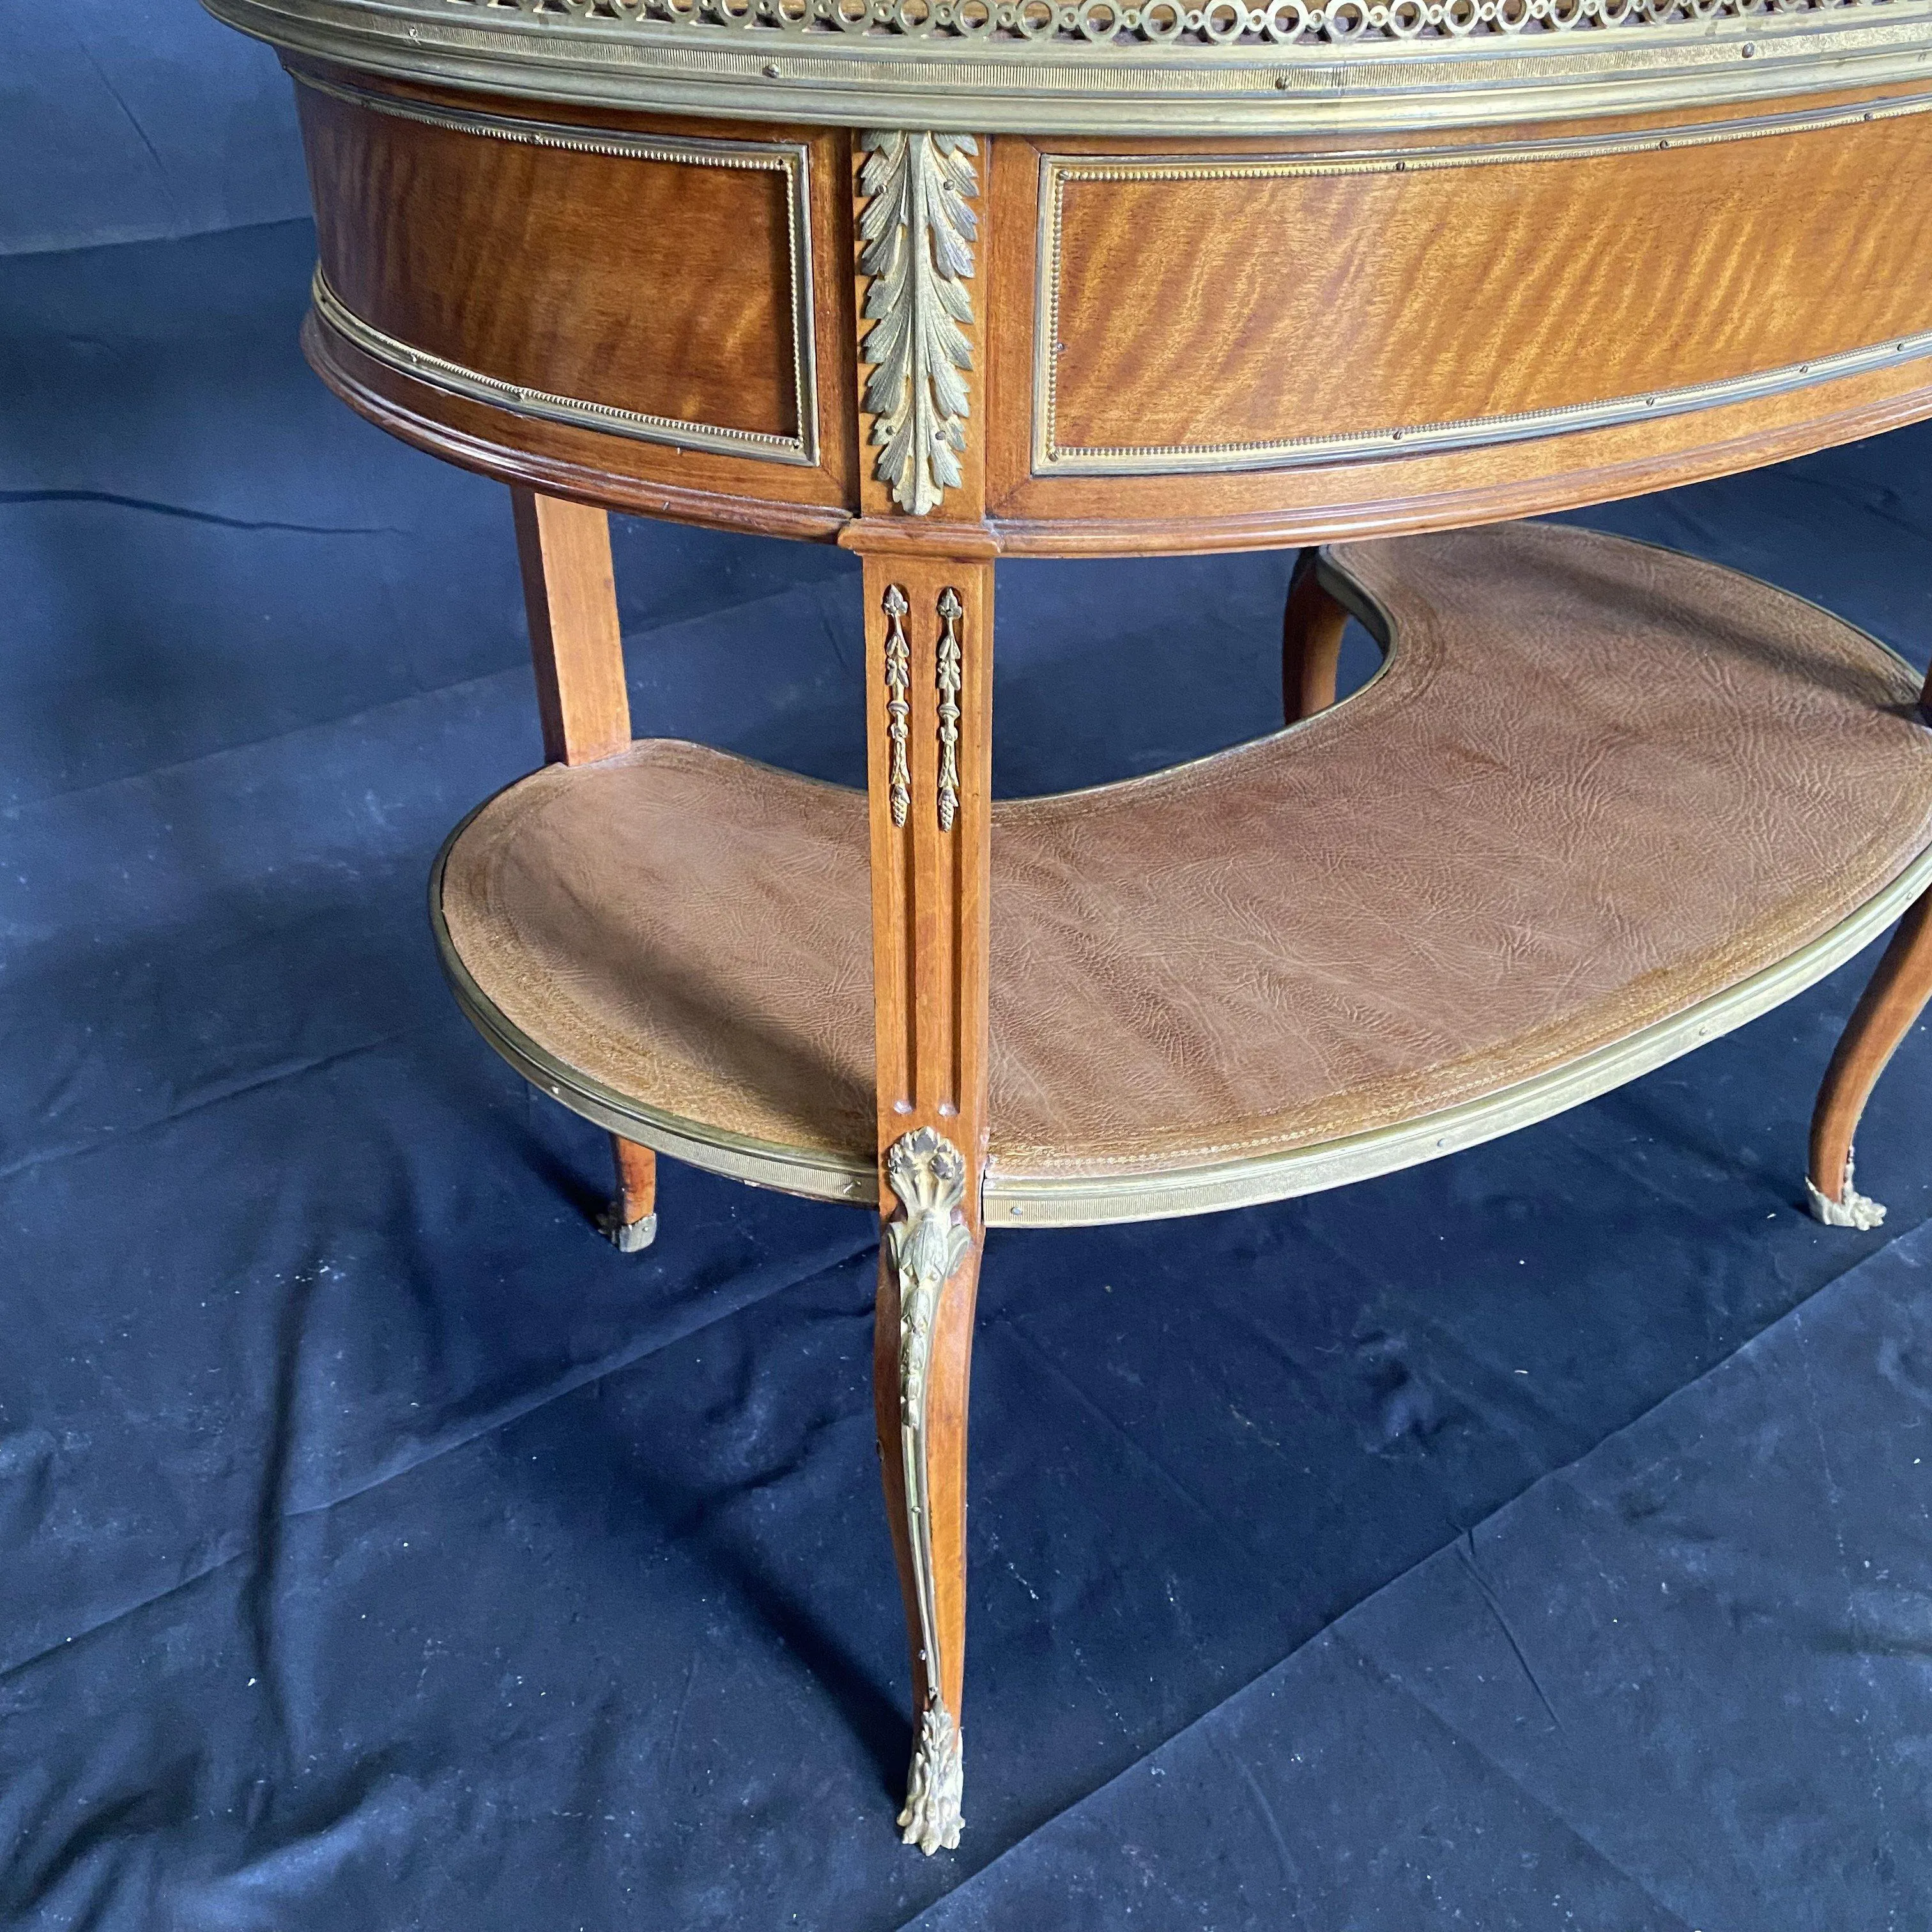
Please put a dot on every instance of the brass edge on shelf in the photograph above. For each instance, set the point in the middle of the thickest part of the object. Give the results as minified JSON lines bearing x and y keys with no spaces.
{"x":822,"y":1177}
{"x":1066,"y":1202}
{"x":790,"y":159}
{"x":1051,"y":458}
{"x":754,"y":68}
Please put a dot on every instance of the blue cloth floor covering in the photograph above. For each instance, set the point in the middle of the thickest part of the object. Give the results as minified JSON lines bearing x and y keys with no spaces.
{"x":1535,"y":1539}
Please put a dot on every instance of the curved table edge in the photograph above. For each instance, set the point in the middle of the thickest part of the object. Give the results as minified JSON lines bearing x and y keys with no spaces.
{"x":1014,"y":1199}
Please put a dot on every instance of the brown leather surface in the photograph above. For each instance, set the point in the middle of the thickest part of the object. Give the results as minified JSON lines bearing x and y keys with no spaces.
{"x":1597,"y":783}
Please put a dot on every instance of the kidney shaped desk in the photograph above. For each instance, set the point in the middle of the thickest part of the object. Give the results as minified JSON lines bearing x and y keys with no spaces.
{"x":945,"y":281}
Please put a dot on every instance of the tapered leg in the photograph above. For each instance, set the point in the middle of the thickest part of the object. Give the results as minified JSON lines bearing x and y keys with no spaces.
{"x":630,"y":1222}
{"x":929,"y":666}
{"x":1311,"y":643}
{"x":1884,"y":1015}
{"x":576,"y":649}
{"x":570,"y":598}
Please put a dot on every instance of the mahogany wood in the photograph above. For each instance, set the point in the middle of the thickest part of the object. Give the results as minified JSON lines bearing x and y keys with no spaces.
{"x":637,"y":1195}
{"x":630,"y":1221}
{"x":657,"y":286}
{"x":1896,"y":994}
{"x":1442,"y":293}
{"x":1179,"y":288}
{"x":1167,"y":333}
{"x":1311,"y":643}
{"x":653,"y":286}
{"x":579,"y":465}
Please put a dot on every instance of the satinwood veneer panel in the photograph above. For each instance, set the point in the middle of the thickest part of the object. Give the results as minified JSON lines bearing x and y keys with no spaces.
{"x":1216,"y":309}
{"x":662,"y":276}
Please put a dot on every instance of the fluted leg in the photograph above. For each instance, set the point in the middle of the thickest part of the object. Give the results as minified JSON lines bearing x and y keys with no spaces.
{"x":929,"y":630}
{"x":1311,"y":643}
{"x":1883,"y":1016}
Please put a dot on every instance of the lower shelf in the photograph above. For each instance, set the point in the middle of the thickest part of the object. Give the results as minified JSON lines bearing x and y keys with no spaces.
{"x":1603,"y":803}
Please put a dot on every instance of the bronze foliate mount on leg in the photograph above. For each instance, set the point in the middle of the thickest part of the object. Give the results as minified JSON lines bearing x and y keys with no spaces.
{"x":928,"y":622}
{"x":925,"y":1249}
{"x":928,"y":604}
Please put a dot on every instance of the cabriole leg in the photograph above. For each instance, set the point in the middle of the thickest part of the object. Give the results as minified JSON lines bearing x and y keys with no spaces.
{"x":1884,"y":1015}
{"x":928,"y":628}
{"x":630,"y":1222}
{"x":1311,"y":643}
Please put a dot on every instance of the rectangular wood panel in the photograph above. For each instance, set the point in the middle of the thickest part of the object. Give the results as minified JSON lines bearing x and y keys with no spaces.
{"x":668,"y":278}
{"x":1303,"y":308}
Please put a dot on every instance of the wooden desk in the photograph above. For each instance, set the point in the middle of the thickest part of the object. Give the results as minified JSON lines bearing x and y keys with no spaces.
{"x":943,"y":280}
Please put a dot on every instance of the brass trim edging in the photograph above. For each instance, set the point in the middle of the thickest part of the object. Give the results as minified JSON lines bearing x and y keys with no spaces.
{"x":1050,"y":460}
{"x":757,"y":69}
{"x":790,"y":159}
{"x":1023,"y":1201}
{"x":821,"y":1177}
{"x":1043,"y":1201}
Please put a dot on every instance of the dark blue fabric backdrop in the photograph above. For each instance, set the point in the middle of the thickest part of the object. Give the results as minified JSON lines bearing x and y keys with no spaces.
{"x":1537,"y":1539}
{"x":125,"y":120}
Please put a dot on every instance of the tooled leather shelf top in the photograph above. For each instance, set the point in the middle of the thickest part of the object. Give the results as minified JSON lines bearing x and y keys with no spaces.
{"x":1125,"y":67}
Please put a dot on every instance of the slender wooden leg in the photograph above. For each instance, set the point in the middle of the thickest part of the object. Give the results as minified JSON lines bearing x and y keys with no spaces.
{"x":570,"y":596}
{"x":630,"y":1222}
{"x":1883,"y":1016}
{"x":1311,"y":643}
{"x":576,"y":648}
{"x":928,"y":628}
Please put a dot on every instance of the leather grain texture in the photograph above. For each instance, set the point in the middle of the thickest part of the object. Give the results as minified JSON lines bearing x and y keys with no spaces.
{"x":1597,"y":783}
